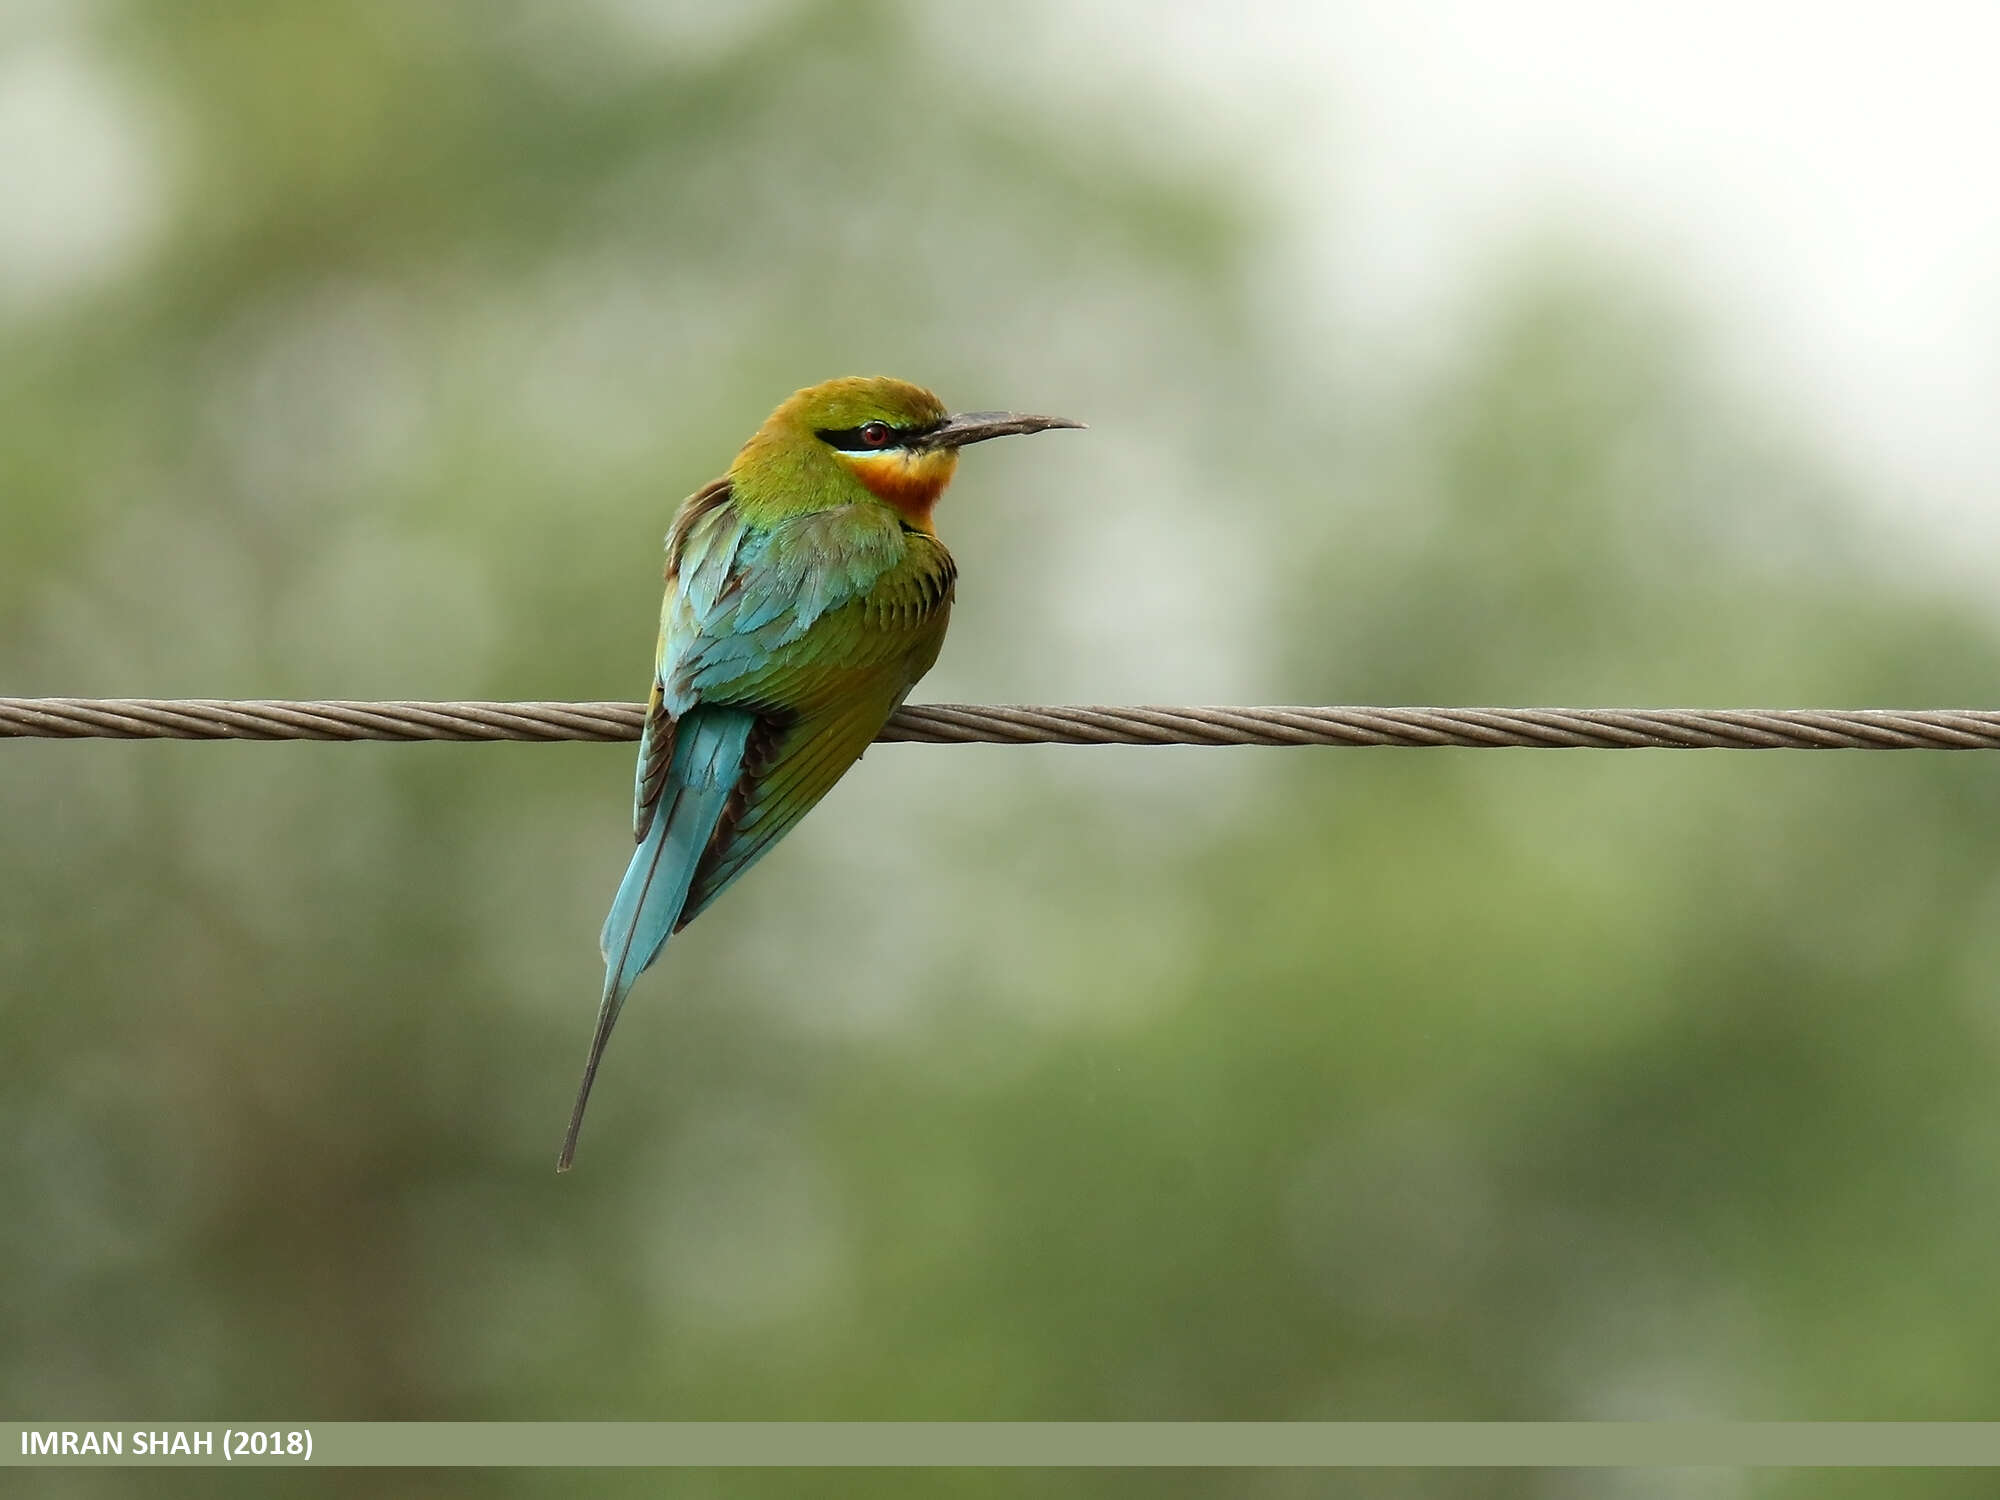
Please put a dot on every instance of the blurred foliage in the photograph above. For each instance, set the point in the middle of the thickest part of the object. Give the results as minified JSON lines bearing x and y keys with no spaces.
{"x":1023,"y":1083}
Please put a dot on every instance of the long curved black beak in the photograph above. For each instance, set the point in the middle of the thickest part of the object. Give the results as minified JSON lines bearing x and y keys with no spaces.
{"x":961,"y":428}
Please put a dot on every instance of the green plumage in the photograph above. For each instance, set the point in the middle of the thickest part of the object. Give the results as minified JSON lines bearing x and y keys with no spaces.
{"x":806,"y":594}
{"x":821,"y":629}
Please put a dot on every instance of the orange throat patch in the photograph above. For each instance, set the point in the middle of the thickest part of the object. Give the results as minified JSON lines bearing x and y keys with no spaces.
{"x":908,"y":483}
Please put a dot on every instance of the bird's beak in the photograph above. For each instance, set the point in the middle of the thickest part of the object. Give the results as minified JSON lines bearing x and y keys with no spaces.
{"x":977,"y":426}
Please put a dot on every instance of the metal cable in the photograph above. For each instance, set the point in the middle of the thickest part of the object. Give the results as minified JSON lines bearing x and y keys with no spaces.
{"x":1007,"y":724}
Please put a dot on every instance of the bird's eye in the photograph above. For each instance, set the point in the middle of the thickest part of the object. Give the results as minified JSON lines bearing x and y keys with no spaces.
{"x":868,"y":437}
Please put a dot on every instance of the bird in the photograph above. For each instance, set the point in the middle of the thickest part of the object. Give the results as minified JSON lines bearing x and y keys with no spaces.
{"x":806,"y":592}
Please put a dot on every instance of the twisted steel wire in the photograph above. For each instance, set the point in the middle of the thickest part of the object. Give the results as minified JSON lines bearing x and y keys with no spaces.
{"x":1012,"y":724}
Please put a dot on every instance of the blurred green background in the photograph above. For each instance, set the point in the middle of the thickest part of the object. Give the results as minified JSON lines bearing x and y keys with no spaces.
{"x":1022,"y":1083}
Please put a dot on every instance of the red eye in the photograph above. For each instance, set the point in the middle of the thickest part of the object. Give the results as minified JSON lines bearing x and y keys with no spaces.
{"x":875,"y":434}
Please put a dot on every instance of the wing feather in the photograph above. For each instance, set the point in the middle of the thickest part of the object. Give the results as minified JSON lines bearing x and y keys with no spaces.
{"x":782,"y":650}
{"x":819,"y":623}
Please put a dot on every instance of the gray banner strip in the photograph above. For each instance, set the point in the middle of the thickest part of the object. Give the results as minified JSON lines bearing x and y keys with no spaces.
{"x":1005,"y":1444}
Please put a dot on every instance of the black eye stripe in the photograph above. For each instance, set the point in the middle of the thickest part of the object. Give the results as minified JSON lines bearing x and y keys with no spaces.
{"x":850,"y":440}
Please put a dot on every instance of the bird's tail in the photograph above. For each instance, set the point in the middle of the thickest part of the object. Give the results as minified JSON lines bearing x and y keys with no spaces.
{"x":708,"y":758}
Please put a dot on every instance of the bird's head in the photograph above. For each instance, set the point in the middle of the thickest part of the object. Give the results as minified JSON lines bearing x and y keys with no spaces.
{"x":893,"y":438}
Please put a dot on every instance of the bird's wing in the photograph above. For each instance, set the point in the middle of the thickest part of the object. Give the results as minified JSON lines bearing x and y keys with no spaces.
{"x":782,"y":651}
{"x":700,"y":547}
{"x":739,"y":600}
{"x":847,"y":674}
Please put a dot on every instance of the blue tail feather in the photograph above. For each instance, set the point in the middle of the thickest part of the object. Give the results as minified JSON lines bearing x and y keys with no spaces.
{"x":708,"y":756}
